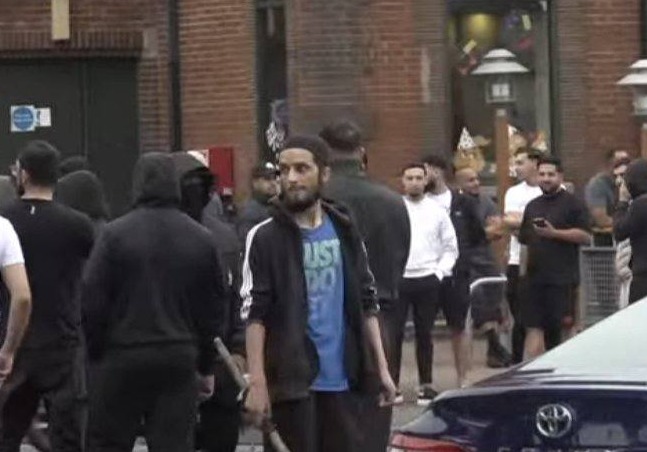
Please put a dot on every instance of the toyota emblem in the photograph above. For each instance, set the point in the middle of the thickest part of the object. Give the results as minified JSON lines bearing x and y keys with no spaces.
{"x":554,"y":421}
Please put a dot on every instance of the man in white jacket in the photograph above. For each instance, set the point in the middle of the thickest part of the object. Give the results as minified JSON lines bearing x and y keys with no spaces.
{"x":432,"y":255}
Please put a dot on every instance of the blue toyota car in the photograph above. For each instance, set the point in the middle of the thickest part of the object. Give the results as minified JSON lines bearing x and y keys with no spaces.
{"x":587,"y":395}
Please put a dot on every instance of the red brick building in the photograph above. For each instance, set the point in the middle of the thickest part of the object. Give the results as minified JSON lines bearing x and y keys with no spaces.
{"x":202,"y":73}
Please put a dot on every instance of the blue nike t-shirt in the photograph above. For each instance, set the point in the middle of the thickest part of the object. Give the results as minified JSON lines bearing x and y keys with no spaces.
{"x":325,"y":282}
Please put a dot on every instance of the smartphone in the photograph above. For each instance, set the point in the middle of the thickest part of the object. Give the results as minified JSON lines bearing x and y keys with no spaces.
{"x":539,"y":222}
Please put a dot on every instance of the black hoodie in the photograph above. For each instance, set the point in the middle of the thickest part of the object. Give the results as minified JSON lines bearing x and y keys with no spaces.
{"x":196,"y":182}
{"x":630,"y":221}
{"x":83,"y":192}
{"x":154,"y":277}
{"x":383,"y":222}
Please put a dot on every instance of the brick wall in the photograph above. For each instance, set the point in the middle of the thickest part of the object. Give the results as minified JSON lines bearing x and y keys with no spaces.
{"x":380,"y":63}
{"x":597,"y":41}
{"x":218,"y":80}
{"x":613,"y":43}
{"x":405,"y":83}
{"x":101,"y":28}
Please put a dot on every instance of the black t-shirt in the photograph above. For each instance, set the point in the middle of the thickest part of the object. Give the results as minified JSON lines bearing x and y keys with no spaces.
{"x":55,"y":241}
{"x":553,"y":261}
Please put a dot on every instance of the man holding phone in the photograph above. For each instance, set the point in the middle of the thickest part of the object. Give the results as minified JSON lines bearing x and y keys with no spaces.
{"x":554,"y":226}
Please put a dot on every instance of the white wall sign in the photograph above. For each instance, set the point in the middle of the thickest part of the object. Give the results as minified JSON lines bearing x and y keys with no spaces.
{"x":44,"y":117}
{"x":25,"y":118}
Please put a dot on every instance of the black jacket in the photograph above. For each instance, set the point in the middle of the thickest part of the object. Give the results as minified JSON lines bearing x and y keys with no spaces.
{"x":383,"y":222}
{"x":275,"y":295}
{"x":196,"y":182}
{"x":154,"y":277}
{"x":470,"y":234}
{"x":630,"y":220}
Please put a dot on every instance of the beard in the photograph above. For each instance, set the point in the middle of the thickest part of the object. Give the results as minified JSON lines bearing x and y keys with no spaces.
{"x":416,"y":196}
{"x":549,"y":189}
{"x":431,"y":186}
{"x":300,"y":200}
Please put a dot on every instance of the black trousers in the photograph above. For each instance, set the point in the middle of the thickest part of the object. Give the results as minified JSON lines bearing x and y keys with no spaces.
{"x":220,"y":416}
{"x":323,"y":422}
{"x":55,"y":377}
{"x":152,"y":386}
{"x":515,"y":300}
{"x":638,"y":288}
{"x":422,"y":295}
{"x":376,"y":419}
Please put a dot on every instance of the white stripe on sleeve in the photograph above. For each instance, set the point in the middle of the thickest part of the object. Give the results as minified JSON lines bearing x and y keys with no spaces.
{"x":248,"y":277}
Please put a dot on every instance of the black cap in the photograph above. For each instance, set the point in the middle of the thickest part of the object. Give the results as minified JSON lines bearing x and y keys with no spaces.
{"x":265,"y":170}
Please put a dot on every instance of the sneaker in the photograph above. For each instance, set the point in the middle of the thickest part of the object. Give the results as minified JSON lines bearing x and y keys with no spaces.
{"x":498,"y":357}
{"x":426,"y":395}
{"x":399,"y":398}
{"x":497,"y":362}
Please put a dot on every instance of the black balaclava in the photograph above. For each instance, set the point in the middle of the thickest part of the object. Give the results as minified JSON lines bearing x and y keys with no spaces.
{"x":195,"y":187}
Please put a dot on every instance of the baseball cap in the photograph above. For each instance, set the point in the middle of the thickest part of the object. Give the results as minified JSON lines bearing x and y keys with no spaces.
{"x":265,"y":170}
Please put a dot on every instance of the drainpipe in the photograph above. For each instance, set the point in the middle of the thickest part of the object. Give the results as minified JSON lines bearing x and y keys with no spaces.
{"x":643,"y":29}
{"x":175,"y":75}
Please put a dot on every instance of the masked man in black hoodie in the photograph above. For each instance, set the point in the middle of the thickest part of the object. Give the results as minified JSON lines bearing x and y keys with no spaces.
{"x":630,"y":222}
{"x":220,"y":415}
{"x":313,"y":340}
{"x":151,"y":298}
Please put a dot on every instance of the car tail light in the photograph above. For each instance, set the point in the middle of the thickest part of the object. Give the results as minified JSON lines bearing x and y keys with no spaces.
{"x":403,"y":443}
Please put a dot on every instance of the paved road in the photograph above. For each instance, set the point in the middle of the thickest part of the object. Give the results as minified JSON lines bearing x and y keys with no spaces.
{"x":444,"y":378}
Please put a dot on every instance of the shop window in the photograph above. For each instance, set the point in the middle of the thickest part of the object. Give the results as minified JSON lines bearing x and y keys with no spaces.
{"x":522,"y":27}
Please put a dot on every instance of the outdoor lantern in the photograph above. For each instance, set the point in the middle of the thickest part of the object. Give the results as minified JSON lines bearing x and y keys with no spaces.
{"x":500,"y":66}
{"x":637,"y":81}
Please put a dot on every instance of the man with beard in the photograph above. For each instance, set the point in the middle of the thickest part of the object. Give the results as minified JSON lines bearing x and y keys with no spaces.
{"x":264,"y":188}
{"x":152,"y":297}
{"x":470,"y":234}
{"x":600,"y":196}
{"x":515,"y":201}
{"x":486,"y":301}
{"x":56,"y":241}
{"x":432,"y":256}
{"x":313,"y":339}
{"x":554,"y":227}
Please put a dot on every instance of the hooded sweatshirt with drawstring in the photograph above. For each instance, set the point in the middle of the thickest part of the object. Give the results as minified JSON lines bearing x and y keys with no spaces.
{"x":154,"y":277}
{"x":630,"y":220}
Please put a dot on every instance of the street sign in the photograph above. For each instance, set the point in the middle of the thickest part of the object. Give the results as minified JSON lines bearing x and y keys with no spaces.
{"x":26,"y":118}
{"x":23,"y":118}
{"x":44,"y":116}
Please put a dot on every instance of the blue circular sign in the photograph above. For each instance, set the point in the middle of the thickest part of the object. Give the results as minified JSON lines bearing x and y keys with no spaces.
{"x":23,"y":118}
